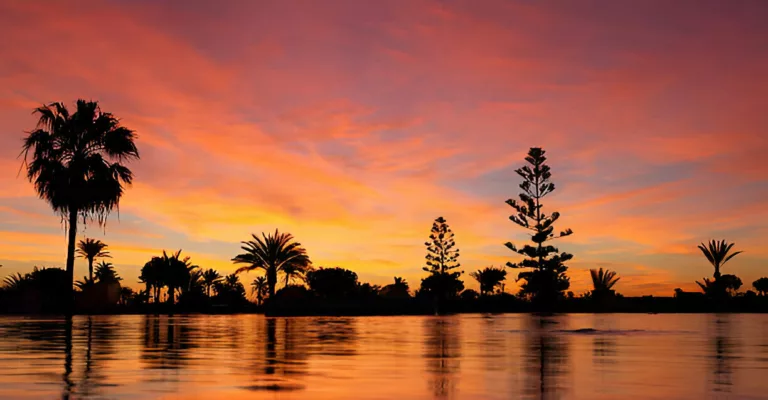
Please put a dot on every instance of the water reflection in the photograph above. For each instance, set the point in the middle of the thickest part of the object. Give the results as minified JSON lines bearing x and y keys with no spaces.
{"x":604,"y":349}
{"x":442,"y":353}
{"x":493,"y":343}
{"x":284,"y":356}
{"x":604,"y":343}
{"x":99,"y":347}
{"x":498,"y":357}
{"x":546,"y":357}
{"x":270,"y":354}
{"x":166,"y":342}
{"x":334,"y":336}
{"x":723,"y":353}
{"x":81,"y":346}
{"x":68,"y":384}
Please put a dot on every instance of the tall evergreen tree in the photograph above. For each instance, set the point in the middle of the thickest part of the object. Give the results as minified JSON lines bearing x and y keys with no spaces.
{"x":545,"y":279}
{"x":442,"y":263}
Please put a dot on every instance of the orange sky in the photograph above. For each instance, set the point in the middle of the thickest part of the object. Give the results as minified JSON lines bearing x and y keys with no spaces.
{"x":354,"y":124}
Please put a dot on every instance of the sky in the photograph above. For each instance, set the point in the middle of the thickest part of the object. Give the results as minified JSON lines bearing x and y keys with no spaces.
{"x":353,"y":125}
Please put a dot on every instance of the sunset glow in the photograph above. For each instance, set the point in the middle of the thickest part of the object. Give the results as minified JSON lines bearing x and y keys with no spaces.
{"x":354,"y":124}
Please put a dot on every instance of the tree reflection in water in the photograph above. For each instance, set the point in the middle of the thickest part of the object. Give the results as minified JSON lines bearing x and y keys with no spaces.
{"x":83,"y":342}
{"x":335,"y":337}
{"x":100,"y":336}
{"x":723,"y":352}
{"x":68,"y":384}
{"x":546,"y":358}
{"x":284,"y":357}
{"x":442,"y":353}
{"x":166,"y":341}
{"x":604,"y":352}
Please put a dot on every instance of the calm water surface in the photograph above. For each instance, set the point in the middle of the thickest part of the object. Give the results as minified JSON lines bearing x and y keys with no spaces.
{"x":468,"y":356}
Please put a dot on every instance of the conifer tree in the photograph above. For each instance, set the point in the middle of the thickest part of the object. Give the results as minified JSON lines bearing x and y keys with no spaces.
{"x":442,"y":263}
{"x":545,"y":279}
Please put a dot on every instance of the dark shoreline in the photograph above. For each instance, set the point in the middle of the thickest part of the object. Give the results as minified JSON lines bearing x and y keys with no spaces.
{"x":415,"y":307}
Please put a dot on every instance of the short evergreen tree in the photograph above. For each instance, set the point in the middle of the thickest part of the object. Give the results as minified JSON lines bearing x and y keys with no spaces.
{"x":442,"y":263}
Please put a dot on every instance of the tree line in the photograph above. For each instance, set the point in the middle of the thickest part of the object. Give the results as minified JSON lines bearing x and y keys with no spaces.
{"x":77,"y":162}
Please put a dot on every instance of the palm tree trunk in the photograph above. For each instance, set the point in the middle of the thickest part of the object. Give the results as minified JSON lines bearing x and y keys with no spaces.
{"x":71,"y":261}
{"x":90,"y":269}
{"x":271,"y":281}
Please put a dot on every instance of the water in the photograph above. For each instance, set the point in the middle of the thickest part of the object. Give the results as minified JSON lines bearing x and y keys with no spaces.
{"x":467,"y":357}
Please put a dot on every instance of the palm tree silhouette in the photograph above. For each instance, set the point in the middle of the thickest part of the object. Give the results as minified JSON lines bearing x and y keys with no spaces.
{"x":90,"y":249}
{"x":401,"y":282}
{"x":295,"y":272}
{"x":152,"y":277}
{"x":75,"y":161}
{"x":210,"y":278}
{"x":259,"y":288}
{"x":603,"y":281}
{"x":489,"y":278}
{"x":176,"y":273}
{"x":126,"y":294}
{"x":16,"y":282}
{"x":105,"y":272}
{"x":231,"y":280}
{"x":195,"y":280}
{"x":272,"y":253}
{"x":82,"y":285}
{"x":398,"y":289}
{"x":717,"y":254}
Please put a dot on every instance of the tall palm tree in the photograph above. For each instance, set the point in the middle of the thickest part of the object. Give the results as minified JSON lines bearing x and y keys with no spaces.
{"x":717,"y":254}
{"x":489,"y":278}
{"x":210,"y":278}
{"x":259,"y":288}
{"x":75,"y":161}
{"x":272,"y":253}
{"x":603,"y":281}
{"x":90,"y":249}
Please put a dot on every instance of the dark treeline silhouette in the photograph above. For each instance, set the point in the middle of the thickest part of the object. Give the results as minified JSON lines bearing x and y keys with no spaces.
{"x":76,"y":161}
